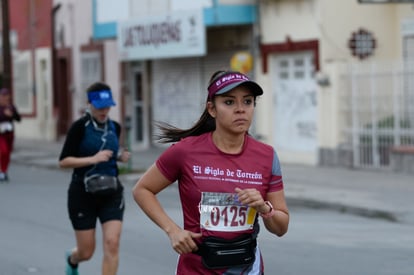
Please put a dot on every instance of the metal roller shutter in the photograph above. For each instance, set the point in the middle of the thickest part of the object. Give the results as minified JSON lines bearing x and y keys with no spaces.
{"x":213,"y":62}
{"x":180,"y":87}
{"x":177,"y":95}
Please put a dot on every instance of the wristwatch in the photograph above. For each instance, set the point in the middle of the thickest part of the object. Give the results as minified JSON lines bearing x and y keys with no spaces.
{"x":270,"y":213}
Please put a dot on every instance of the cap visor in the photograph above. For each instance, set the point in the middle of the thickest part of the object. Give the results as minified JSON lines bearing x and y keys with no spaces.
{"x":100,"y":104}
{"x":253,"y":86}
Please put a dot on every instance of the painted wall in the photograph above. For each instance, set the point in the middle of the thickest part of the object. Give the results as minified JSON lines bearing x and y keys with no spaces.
{"x":74,"y":29}
{"x":41,"y":126}
{"x":336,"y":29}
{"x":112,"y":75}
{"x":297,"y":19}
{"x":31,"y":20}
{"x":404,"y":13}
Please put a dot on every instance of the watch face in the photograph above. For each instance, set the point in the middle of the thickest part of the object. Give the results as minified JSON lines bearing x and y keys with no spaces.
{"x":270,"y":213}
{"x":270,"y":205}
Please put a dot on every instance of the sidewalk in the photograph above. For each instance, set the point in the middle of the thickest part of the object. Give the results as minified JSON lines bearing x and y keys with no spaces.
{"x":378,"y":194}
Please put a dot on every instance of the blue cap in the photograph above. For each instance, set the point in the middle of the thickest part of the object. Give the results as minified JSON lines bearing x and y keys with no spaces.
{"x":101,"y":99}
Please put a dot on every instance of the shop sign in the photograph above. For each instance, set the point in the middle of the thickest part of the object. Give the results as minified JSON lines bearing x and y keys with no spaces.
{"x":178,"y":34}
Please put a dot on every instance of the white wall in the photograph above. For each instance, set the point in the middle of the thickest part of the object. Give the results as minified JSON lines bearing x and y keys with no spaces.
{"x":336,"y":28}
{"x":42,"y":125}
{"x":279,"y":19}
{"x":75,"y":19}
{"x":112,"y":76}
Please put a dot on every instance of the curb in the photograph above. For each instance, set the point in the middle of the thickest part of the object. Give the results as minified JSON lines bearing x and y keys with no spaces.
{"x":342,"y":208}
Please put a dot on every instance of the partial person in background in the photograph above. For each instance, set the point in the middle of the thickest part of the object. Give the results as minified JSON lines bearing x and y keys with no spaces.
{"x":8,"y":114}
{"x":92,"y":149}
{"x":227,"y":180}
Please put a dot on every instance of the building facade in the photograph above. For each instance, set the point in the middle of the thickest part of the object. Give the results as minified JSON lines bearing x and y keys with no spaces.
{"x":31,"y":39}
{"x":340,"y":88}
{"x":338,"y":85}
{"x":168,"y":52}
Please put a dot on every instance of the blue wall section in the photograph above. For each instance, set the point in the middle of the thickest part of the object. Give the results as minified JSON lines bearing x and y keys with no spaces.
{"x":102,"y":30}
{"x":218,"y":15}
{"x":229,"y":15}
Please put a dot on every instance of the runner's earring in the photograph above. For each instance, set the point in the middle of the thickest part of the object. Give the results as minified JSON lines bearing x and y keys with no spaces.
{"x":212,"y":113}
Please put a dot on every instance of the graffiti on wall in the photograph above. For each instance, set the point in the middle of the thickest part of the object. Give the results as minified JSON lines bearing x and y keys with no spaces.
{"x":295,"y":118}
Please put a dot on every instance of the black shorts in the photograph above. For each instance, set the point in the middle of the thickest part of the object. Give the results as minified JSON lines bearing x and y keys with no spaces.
{"x":85,"y":208}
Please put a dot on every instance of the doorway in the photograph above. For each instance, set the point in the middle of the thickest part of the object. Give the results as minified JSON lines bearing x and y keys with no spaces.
{"x":62,"y":94}
{"x":140,"y":110}
{"x":295,"y":106}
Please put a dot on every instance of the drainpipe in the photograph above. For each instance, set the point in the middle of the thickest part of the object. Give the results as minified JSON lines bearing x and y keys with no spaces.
{"x":33,"y":47}
{"x":55,"y":9}
{"x":7,"y":69}
{"x":54,"y":64}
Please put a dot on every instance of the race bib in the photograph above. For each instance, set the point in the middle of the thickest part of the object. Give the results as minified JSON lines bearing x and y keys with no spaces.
{"x":223,"y":212}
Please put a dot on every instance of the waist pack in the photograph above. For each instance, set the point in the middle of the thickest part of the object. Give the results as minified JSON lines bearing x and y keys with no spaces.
{"x":217,"y":253}
{"x":101,"y":184}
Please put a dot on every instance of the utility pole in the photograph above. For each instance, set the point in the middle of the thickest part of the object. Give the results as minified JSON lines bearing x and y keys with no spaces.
{"x":7,"y":69}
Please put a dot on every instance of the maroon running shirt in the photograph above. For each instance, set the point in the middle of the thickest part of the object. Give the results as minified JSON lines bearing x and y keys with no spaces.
{"x":207,"y":178}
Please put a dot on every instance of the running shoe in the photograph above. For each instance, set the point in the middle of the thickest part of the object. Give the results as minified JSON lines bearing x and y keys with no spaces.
{"x":69,"y":269}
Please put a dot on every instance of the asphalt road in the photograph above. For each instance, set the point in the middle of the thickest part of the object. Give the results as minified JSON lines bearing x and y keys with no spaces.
{"x":35,"y":232}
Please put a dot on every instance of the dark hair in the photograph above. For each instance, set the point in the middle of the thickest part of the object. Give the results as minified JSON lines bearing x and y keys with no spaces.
{"x":98,"y":86}
{"x":206,"y":123}
{"x":4,"y":91}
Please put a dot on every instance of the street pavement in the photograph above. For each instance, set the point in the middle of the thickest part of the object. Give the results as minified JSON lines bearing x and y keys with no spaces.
{"x":372,"y":193}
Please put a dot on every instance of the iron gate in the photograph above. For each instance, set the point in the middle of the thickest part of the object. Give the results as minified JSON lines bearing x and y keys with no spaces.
{"x":377,"y":105}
